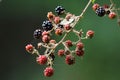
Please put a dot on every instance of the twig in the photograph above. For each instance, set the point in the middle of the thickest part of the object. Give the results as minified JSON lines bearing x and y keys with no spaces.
{"x":85,"y":8}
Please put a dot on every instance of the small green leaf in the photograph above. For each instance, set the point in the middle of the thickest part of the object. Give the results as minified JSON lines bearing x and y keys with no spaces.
{"x":93,"y":1}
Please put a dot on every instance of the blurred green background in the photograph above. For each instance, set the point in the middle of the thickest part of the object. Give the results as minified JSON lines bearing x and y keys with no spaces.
{"x":18,"y":20}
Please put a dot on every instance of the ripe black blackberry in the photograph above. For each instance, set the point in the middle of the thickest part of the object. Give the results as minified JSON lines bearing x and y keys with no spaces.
{"x":100,"y":11}
{"x":59,"y":10}
{"x":37,"y":33}
{"x":47,"y":25}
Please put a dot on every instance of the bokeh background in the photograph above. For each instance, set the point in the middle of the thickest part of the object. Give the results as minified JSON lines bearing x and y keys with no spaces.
{"x":18,"y":20}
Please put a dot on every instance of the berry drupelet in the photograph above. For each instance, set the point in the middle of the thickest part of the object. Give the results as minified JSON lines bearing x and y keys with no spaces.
{"x":59,"y":10}
{"x":100,"y":11}
{"x":47,"y":25}
{"x":37,"y":33}
{"x":61,"y":52}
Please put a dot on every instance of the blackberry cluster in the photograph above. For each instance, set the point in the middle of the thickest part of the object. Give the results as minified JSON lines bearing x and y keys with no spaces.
{"x":105,"y":9}
{"x":100,"y":11}
{"x":47,"y":25}
{"x":37,"y":33}
{"x":58,"y":25}
{"x":59,"y":10}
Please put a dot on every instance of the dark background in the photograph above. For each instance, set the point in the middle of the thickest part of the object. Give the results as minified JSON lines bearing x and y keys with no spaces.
{"x":18,"y":20}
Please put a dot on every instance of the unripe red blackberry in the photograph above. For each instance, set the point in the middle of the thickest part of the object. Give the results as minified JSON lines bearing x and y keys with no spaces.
{"x":37,"y":33}
{"x":46,"y":38}
{"x":45,"y":33}
{"x":100,"y":11}
{"x":90,"y":33}
{"x":58,"y":31}
{"x":42,"y":59}
{"x":70,"y":59}
{"x":59,"y":10}
{"x":105,"y":6}
{"x":79,"y":45}
{"x":29,"y":48}
{"x":67,"y":27}
{"x":95,"y":6}
{"x":61,"y":52}
{"x":53,"y":41}
{"x":48,"y":72}
{"x":50,"y":15}
{"x":79,"y":52}
{"x":112,"y":15}
{"x":57,"y":20}
{"x":47,"y":25}
{"x":68,"y":43}
{"x":68,"y":16}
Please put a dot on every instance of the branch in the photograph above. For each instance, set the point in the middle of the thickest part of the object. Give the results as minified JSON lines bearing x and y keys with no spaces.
{"x":78,"y":18}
